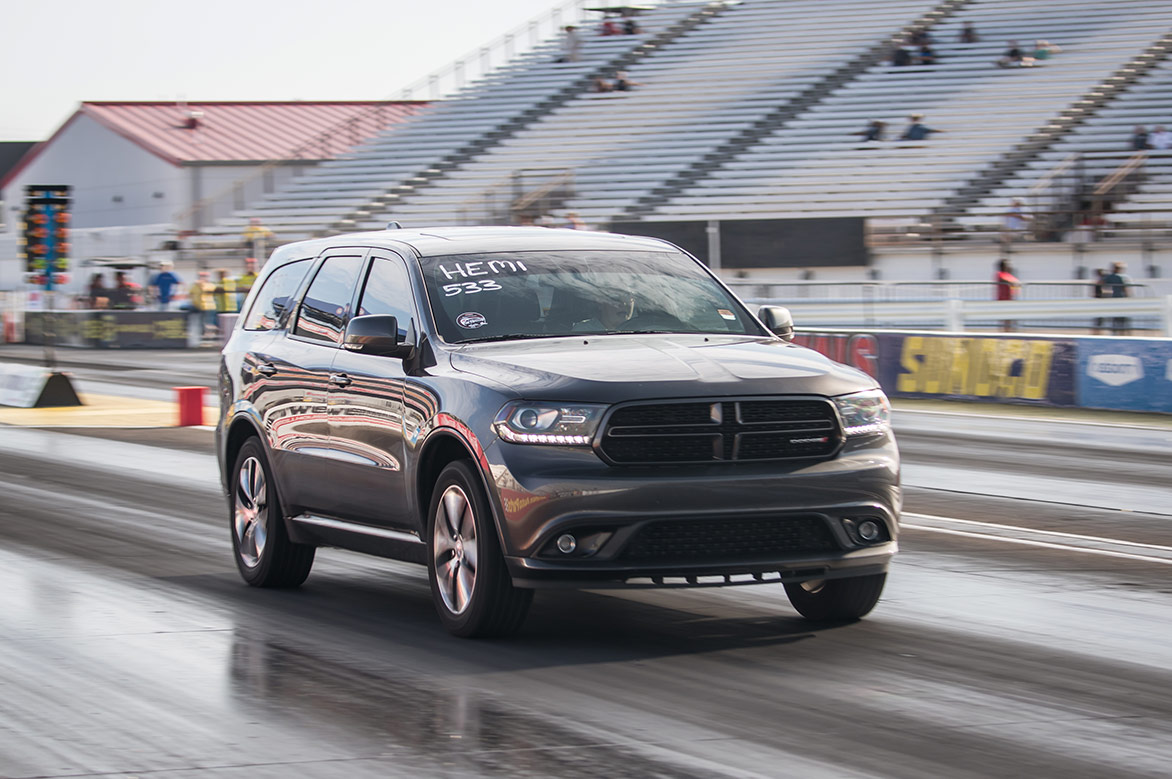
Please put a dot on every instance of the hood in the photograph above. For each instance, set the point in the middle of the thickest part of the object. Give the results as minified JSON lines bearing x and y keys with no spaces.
{"x":624,"y":367}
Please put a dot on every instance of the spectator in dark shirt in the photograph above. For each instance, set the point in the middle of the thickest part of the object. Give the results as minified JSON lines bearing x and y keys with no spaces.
{"x":873,"y":131}
{"x":968,"y":34}
{"x":901,"y":57}
{"x":624,"y":84}
{"x":1013,"y":57}
{"x":1139,"y":139}
{"x":630,"y":26}
{"x":1116,"y":285}
{"x":917,"y":131}
{"x":926,"y":55}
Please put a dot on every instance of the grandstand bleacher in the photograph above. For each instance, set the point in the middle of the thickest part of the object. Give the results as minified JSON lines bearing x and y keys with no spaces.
{"x":695,"y":139}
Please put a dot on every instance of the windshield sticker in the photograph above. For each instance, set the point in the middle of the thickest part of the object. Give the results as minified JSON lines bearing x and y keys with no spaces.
{"x":468,"y":270}
{"x":726,"y":314}
{"x":470,"y":320}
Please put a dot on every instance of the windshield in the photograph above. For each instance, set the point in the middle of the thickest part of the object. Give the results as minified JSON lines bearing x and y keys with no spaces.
{"x":499,"y":296}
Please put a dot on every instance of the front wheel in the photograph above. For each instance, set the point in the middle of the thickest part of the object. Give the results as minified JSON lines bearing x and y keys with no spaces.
{"x":836,"y":600}
{"x":264,"y":554}
{"x":469,"y":583}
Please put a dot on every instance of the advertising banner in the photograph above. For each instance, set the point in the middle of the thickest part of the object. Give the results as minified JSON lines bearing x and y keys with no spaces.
{"x":1130,"y":374}
{"x":109,"y":329}
{"x":998,"y":368}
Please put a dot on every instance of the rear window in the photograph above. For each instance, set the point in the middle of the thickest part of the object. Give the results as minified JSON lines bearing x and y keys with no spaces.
{"x":501,"y":296}
{"x":273,"y":298}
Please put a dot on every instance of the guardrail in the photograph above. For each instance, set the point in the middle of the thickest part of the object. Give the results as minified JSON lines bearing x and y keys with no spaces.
{"x":956,"y":314}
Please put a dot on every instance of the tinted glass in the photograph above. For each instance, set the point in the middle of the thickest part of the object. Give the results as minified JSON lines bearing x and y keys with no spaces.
{"x":546,"y":294}
{"x":388,"y":291}
{"x":327,"y":303}
{"x":273,"y":299}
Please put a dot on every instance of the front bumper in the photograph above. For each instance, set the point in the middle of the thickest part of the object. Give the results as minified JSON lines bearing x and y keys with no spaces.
{"x":711,"y":525}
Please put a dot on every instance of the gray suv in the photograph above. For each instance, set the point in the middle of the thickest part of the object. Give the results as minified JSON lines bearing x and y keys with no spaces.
{"x":518,"y":408}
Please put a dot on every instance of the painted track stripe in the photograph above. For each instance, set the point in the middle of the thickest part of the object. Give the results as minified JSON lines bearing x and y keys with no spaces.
{"x":1042,"y":544}
{"x":1053,"y":533}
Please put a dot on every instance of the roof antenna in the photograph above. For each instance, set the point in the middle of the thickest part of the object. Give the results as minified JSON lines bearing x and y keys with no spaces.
{"x":394,"y":226}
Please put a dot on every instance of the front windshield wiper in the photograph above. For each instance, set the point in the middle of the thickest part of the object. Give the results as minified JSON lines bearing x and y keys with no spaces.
{"x":508,"y":337}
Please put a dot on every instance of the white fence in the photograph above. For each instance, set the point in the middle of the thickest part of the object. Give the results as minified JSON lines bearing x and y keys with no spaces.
{"x":955,"y":314}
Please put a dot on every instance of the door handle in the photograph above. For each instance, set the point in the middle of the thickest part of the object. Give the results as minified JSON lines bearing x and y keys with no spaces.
{"x":340,"y":380}
{"x":266,"y":369}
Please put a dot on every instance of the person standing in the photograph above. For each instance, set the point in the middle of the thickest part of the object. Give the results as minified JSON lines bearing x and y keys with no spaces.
{"x":99,"y":296}
{"x":1014,"y":222}
{"x":1007,"y":288}
{"x":245,"y":281}
{"x":256,"y":236}
{"x":202,"y":301}
{"x":1118,"y":283}
{"x":224,"y":292}
{"x":164,"y":283}
{"x":1099,"y":290}
{"x":1160,"y":138}
{"x":1139,"y":139}
{"x":571,"y":45}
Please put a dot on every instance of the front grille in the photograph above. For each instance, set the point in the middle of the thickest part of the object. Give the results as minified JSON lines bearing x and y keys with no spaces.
{"x":728,"y":539}
{"x":699,"y":431}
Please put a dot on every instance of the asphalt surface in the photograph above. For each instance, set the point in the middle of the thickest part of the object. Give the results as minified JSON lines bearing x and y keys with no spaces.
{"x":1024,"y":630}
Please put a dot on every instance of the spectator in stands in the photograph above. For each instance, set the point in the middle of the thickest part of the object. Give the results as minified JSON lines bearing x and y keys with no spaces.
{"x":224,"y":292}
{"x":610,"y":26}
{"x":571,"y":45}
{"x":624,"y":84}
{"x":99,"y":296}
{"x":901,"y":57}
{"x":201,"y":304}
{"x":164,"y":283}
{"x":1014,"y":57}
{"x":1007,"y":288}
{"x":1099,"y":290}
{"x":873,"y":131}
{"x":602,"y":85}
{"x":1014,"y":222}
{"x":920,"y":37}
{"x":630,"y":26}
{"x":968,"y":34}
{"x":916,"y":130}
{"x":571,"y":221}
{"x":1160,"y":138}
{"x":245,"y":282}
{"x":926,"y":55}
{"x":256,"y":235}
{"x":1139,"y":139}
{"x":1118,"y":283}
{"x":122,"y":294}
{"x":1044,"y":50}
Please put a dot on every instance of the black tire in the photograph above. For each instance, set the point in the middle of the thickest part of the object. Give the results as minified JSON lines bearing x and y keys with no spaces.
{"x":470,"y":585}
{"x":260,"y":543}
{"x":836,"y":600}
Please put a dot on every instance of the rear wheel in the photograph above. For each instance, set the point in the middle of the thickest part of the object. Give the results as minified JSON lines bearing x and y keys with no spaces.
{"x":264,"y":554}
{"x":836,"y":600}
{"x":469,"y":583}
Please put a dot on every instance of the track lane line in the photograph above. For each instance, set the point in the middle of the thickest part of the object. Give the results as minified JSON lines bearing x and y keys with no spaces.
{"x":1055,"y":533}
{"x":1040,"y":544}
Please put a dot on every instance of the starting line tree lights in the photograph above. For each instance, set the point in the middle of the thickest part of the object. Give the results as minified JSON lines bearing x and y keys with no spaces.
{"x":46,"y":234}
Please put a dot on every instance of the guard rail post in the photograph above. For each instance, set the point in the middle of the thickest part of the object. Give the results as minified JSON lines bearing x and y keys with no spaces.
{"x":954,"y":314}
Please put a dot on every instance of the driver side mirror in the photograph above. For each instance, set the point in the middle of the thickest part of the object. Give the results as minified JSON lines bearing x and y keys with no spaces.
{"x":376,"y":334}
{"x":779,"y":321}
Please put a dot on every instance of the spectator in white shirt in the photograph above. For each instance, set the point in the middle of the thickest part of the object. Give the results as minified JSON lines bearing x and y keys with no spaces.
{"x":1160,"y":138}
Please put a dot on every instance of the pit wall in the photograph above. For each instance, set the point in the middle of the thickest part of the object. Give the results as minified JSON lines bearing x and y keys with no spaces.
{"x":1106,"y":372}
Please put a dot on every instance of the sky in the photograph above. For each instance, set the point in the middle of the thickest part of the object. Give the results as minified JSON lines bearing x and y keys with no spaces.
{"x":55,"y":54}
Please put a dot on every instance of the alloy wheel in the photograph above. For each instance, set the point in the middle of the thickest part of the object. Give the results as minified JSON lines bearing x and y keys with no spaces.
{"x":454,"y":549}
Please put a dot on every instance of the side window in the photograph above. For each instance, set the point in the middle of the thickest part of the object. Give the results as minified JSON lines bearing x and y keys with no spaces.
{"x":388,"y":291}
{"x":327,"y":302}
{"x":273,"y":299}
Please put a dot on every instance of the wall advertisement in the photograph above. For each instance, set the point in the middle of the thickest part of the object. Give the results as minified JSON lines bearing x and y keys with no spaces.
{"x":1133,"y":374}
{"x":109,"y":329}
{"x":996,"y":368}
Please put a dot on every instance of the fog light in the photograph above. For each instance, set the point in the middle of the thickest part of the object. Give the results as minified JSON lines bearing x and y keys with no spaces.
{"x":868,"y":530}
{"x":567,"y":543}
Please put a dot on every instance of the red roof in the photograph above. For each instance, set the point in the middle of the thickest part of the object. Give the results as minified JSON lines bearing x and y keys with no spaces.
{"x":241,"y":132}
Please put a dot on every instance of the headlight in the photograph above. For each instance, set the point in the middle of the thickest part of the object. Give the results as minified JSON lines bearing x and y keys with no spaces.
{"x":560,"y":424}
{"x":864,"y":413}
